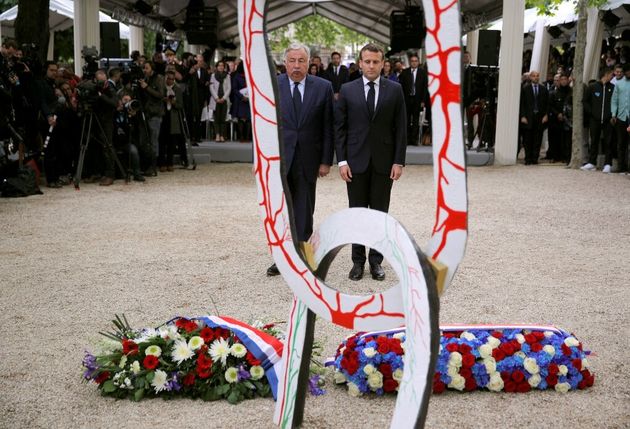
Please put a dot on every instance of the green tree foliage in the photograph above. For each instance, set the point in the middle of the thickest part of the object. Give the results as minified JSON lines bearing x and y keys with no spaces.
{"x":7,"y":4}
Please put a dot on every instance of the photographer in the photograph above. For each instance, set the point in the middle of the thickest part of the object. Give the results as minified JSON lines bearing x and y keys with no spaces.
{"x":48,"y":101}
{"x":126,"y":133}
{"x":104,"y":107}
{"x":152,"y":97}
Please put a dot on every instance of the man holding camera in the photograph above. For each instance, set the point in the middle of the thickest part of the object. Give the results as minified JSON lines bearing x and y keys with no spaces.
{"x":104,"y":109}
{"x":152,"y":98}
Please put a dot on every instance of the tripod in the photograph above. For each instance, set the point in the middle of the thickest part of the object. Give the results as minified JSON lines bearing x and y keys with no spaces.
{"x":88,"y":118}
{"x":486,"y":128}
{"x":192,"y":164}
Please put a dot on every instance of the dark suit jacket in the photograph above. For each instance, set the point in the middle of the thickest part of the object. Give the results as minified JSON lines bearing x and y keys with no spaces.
{"x":527,"y":103}
{"x":312,"y":132}
{"x":406,"y":81}
{"x":383,"y":139}
{"x":339,"y":79}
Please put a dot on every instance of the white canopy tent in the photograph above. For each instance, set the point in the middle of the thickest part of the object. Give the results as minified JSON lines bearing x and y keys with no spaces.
{"x":61,"y":18}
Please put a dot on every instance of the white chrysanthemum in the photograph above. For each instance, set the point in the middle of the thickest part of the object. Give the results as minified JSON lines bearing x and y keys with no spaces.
{"x":468,"y":336}
{"x":455,"y":359}
{"x":531,"y":366}
{"x":339,"y":377}
{"x":563,"y":370}
{"x":220,"y":350}
{"x":231,"y":375}
{"x":375,"y":380}
{"x":549,"y":349}
{"x":369,"y":352}
{"x":238,"y":350}
{"x":123,"y":361}
{"x":195,"y":342}
{"x":181,"y":351}
{"x":369,"y":369}
{"x":485,"y":351}
{"x":520,"y":338}
{"x":496,"y":383}
{"x":520,"y":354}
{"x":549,"y":334}
{"x":153,"y":351}
{"x":399,"y":335}
{"x":491,"y":365}
{"x":170,"y":332}
{"x":146,"y":335}
{"x":403,"y":345}
{"x":353,"y":390}
{"x":563,"y":387}
{"x":127,"y":382}
{"x":585,"y":363}
{"x":257,"y":372}
{"x":457,"y":382}
{"x":571,"y":342}
{"x":398,"y":375}
{"x":135,"y":367}
{"x":534,"y":380}
{"x":493,"y":342}
{"x":159,"y":381}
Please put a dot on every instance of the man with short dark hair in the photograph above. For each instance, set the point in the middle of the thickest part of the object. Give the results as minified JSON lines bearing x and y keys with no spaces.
{"x":414,"y":84}
{"x":534,"y":105}
{"x":152,"y":98}
{"x":370,"y":140}
{"x":336,"y":73}
{"x":620,"y":111}
{"x":597,"y":104}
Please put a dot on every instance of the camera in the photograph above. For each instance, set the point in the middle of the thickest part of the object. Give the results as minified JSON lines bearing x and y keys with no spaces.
{"x":88,"y":92}
{"x":133,"y":106}
{"x":90,"y":55}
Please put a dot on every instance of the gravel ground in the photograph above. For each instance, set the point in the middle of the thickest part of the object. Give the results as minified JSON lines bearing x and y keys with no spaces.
{"x":547,"y":245}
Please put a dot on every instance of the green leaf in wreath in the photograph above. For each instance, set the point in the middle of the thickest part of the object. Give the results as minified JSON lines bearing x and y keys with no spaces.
{"x":109,"y":386}
{"x":233,"y":397}
{"x":248,"y":384}
{"x":149,"y":376}
{"x":138,"y":395}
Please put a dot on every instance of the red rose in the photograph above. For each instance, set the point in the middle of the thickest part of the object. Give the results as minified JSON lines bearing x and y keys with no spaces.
{"x":518,"y":376}
{"x":268,"y":326}
{"x":539,"y":335}
{"x":203,"y":373}
{"x":181,"y":322}
{"x":448,"y":335}
{"x":249,"y":357}
{"x":498,"y":355}
{"x":390,"y":385}
{"x":465,"y":372}
{"x":516,"y":345}
{"x":497,"y":334}
{"x":385,"y":369}
{"x":383,"y":348}
{"x":225,"y":334}
{"x":204,"y":362}
{"x":191,"y":326}
{"x":352,"y":366}
{"x":468,"y":360}
{"x":582,"y":385}
{"x":207,"y":334}
{"x":530,"y":338}
{"x":129,"y":347}
{"x":438,"y":387}
{"x":552,"y":380}
{"x":553,"y":369}
{"x":588,"y":378}
{"x":577,"y":363}
{"x":150,"y":362}
{"x":102,"y":377}
{"x":189,"y":380}
{"x":464,"y":349}
{"x":506,"y":376}
{"x":452,"y":347}
{"x":470,"y":385}
{"x":395,"y":347}
{"x":509,"y":386}
{"x":507,"y":349}
{"x":566,"y":350}
{"x":536,"y":347}
{"x":523,"y":387}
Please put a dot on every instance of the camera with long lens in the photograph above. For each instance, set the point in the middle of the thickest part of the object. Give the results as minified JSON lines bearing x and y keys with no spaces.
{"x":132,"y":107}
{"x":88,"y":92}
{"x":90,"y":56}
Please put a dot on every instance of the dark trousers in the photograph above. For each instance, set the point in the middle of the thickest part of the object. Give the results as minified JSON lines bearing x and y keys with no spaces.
{"x":219,"y":119}
{"x":554,"y":135}
{"x":532,"y":139}
{"x":413,"y":120}
{"x":302,"y":198}
{"x":621,"y":128}
{"x":567,"y":144}
{"x":598,"y":131}
{"x":372,"y":190}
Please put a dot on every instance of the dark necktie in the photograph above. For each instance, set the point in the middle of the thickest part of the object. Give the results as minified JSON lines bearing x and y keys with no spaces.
{"x":535,"y":98}
{"x":413,"y":82}
{"x":297,"y":99}
{"x":371,"y":96}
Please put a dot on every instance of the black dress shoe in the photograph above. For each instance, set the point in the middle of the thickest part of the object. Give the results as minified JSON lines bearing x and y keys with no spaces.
{"x":377,"y":272}
{"x":273,"y":271}
{"x":356,"y":273}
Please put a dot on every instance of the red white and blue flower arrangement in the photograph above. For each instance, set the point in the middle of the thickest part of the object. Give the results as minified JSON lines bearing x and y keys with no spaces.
{"x":515,"y":359}
{"x":208,"y":358}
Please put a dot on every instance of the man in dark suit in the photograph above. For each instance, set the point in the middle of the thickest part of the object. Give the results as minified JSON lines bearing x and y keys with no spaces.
{"x":336,"y":73}
{"x":306,"y":108}
{"x":197,"y":82}
{"x":414,"y":83}
{"x":534,"y":106}
{"x":370,"y":139}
